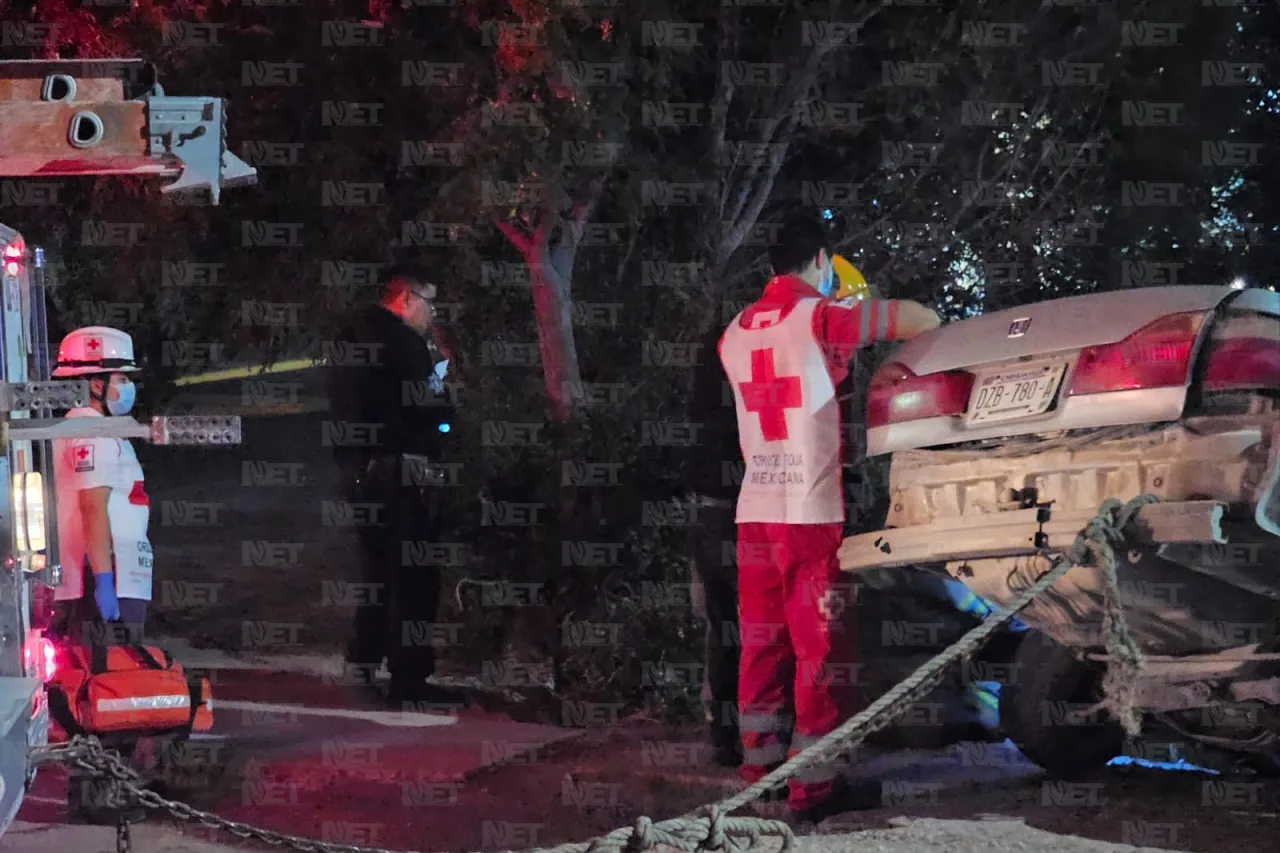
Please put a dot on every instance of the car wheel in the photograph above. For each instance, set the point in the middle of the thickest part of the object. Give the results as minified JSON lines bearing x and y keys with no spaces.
{"x":1049,"y":682}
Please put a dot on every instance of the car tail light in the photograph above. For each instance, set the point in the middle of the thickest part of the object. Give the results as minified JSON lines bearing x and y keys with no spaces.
{"x":1243,"y":353}
{"x":1156,"y":356}
{"x":13,"y":254}
{"x":896,"y":395}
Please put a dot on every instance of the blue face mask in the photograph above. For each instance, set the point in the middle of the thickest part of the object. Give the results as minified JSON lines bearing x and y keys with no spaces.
{"x":828,"y":282}
{"x":124,"y":403}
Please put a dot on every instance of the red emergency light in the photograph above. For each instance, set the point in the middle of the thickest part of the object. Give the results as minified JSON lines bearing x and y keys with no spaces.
{"x":48,"y":658}
{"x":13,"y":255}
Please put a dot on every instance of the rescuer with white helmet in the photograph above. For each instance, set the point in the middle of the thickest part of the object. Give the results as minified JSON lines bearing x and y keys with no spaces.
{"x":103,"y":508}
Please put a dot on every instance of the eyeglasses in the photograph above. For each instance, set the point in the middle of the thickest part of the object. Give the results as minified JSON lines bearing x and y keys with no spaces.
{"x":425,"y":298}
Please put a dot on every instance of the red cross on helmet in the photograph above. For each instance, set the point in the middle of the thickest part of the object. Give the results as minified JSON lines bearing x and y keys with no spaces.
{"x":95,"y":349}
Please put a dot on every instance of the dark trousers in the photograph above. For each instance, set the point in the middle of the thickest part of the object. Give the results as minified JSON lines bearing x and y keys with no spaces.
{"x":716,"y":571}
{"x":398,"y":622}
{"x":78,"y":621}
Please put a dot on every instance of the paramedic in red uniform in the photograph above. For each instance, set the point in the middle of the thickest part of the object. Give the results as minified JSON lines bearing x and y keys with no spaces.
{"x":784,"y":355}
{"x":103,"y":509}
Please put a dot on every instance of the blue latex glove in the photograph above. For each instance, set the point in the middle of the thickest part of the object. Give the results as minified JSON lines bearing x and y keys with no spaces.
{"x":104,"y":592}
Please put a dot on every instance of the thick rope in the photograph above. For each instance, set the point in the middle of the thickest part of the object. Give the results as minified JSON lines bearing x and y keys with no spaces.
{"x":711,"y":827}
{"x":1125,"y":660}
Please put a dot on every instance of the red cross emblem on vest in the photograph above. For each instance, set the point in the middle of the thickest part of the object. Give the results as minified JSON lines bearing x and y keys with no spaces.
{"x":769,"y":396}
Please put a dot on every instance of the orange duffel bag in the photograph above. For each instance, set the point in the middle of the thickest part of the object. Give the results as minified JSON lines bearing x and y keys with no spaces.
{"x":132,"y":688}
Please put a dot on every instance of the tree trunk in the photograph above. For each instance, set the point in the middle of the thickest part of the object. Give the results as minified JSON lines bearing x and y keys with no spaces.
{"x":551,"y":269}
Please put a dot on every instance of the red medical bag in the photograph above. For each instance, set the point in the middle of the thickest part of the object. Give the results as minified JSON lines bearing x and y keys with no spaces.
{"x":100,"y":689}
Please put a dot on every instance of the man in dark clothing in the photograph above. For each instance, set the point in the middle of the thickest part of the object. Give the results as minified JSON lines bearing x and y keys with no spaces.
{"x":713,"y":490}
{"x":384,"y":377}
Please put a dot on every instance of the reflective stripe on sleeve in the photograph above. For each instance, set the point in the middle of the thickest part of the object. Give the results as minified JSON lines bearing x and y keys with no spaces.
{"x":882,"y":320}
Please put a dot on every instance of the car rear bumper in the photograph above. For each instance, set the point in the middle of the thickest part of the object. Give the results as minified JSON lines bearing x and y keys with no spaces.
{"x":1023,"y":533}
{"x":1204,"y":575}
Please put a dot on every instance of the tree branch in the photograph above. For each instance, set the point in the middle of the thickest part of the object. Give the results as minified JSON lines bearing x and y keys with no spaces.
{"x":753,"y":199}
{"x":801,"y":81}
{"x":523,"y":242}
{"x":780,"y":124}
{"x":571,"y":235}
{"x":724,"y":88}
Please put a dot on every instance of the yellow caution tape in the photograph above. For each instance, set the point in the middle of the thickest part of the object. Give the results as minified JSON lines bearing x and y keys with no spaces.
{"x":247,"y":372}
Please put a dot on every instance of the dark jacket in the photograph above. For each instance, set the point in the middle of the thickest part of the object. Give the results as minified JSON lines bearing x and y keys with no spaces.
{"x":381,"y":374}
{"x":716,"y":464}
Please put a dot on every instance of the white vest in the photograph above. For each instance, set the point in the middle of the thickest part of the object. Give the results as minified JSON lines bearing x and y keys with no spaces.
{"x":788,"y":419}
{"x":87,"y":463}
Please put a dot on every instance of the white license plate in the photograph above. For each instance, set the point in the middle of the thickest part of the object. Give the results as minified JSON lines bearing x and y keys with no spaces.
{"x":1015,"y":393}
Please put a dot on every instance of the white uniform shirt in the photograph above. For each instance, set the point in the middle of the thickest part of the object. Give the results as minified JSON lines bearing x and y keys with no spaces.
{"x":91,"y":463}
{"x":788,"y":419}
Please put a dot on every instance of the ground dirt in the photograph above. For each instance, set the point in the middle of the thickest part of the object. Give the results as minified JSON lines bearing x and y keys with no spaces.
{"x":605,"y":779}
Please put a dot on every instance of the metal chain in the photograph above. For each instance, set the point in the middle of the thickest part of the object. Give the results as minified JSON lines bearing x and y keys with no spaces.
{"x":707,"y":828}
{"x":87,"y":753}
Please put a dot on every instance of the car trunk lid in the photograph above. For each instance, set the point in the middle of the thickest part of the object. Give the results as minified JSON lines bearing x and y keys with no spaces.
{"x":1050,"y":327}
{"x":1106,"y":359}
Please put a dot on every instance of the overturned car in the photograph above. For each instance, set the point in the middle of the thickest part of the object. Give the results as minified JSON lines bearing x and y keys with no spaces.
{"x":1009,"y":430}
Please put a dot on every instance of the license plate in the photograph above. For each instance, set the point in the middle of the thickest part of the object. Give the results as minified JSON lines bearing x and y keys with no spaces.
{"x":1015,"y":393}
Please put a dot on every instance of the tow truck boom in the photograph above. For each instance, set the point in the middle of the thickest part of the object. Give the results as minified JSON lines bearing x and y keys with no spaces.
{"x":63,"y":118}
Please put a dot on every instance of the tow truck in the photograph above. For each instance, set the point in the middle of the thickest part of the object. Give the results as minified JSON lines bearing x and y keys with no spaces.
{"x":66,"y":118}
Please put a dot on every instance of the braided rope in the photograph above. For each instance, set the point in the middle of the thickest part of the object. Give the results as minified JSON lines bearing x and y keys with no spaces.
{"x":1125,"y":660}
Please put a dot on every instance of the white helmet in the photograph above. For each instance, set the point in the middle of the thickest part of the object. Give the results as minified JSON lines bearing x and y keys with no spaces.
{"x":95,"y":349}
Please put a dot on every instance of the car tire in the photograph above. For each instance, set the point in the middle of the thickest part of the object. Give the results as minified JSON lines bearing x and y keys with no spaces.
{"x":1048,"y":676}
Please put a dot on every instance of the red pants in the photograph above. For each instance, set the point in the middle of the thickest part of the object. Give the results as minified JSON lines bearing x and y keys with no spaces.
{"x":797,"y":648}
